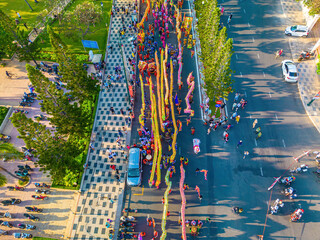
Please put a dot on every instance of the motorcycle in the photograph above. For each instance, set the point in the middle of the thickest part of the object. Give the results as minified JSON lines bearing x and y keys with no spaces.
{"x":275,"y":206}
{"x":25,"y":167}
{"x":31,"y":217}
{"x":237,"y":210}
{"x":26,"y":226}
{"x":124,"y":230}
{"x":22,"y":173}
{"x":22,"y":235}
{"x":6,"y":224}
{"x":5,"y":215}
{"x":287,"y":180}
{"x":39,"y":197}
{"x":43,"y":191}
{"x":22,"y":111}
{"x":127,"y":224}
{"x":15,"y":188}
{"x":125,"y":210}
{"x":128,"y":236}
{"x":12,"y":201}
{"x":302,"y":168}
{"x":296,"y":215}
{"x":23,"y":104}
{"x":40,"y":185}
{"x":305,"y":55}
{"x":40,"y":117}
{"x":127,"y":219}
{"x":33,"y":209}
{"x":290,"y":192}
{"x":4,"y":138}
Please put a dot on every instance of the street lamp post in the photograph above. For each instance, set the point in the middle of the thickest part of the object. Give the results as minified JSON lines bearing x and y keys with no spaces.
{"x":28,"y":5}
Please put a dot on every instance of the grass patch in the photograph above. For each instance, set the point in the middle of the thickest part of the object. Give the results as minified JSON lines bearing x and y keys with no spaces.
{"x":65,"y":187}
{"x":3,"y":113}
{"x":10,"y":7}
{"x":214,"y":110}
{"x":74,"y":44}
{"x":3,"y":180}
{"x":24,"y":181}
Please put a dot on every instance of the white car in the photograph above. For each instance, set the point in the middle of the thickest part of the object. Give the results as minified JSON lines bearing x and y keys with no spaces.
{"x":297,"y":31}
{"x":289,"y":71}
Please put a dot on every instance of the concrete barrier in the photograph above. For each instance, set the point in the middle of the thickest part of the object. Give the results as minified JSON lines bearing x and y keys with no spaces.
{"x":6,"y":119}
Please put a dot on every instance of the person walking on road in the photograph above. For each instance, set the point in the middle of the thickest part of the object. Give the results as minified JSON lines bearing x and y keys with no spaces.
{"x":254,"y":123}
{"x":193,"y":130}
{"x":259,"y":135}
{"x":239,"y":143}
{"x":237,"y":118}
{"x":245,"y":153}
{"x":258,"y":130}
{"x":229,"y":18}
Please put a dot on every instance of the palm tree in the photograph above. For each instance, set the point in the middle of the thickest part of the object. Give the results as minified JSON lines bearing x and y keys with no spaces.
{"x":8,"y":151}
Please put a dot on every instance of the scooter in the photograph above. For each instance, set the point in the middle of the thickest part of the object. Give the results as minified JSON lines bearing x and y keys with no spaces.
{"x":6,"y":224}
{"x":22,"y":174}
{"x":275,"y":206}
{"x":302,"y":168}
{"x":237,"y":210}
{"x":31,"y":217}
{"x":25,"y":167}
{"x":22,"y":235}
{"x":287,"y":180}
{"x":43,"y":191}
{"x":26,"y":226}
{"x":125,"y":210}
{"x":305,"y":55}
{"x":15,"y":188}
{"x":296,"y":215}
{"x":39,"y":197}
{"x":12,"y":201}
{"x":5,"y":215}
{"x":39,"y":185}
{"x":127,"y":219}
{"x":290,"y":192}
{"x":127,"y":224}
{"x":33,"y":209}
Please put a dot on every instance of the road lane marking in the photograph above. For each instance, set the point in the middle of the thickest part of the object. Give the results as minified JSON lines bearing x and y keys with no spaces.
{"x":270,"y":94}
{"x":255,"y":142}
{"x":140,"y":194}
{"x":252,"y":39}
{"x":284,"y":144}
{"x":241,"y":74}
{"x":276,"y":116}
{"x":248,"y":24}
{"x":236,"y":56}
{"x":244,"y":11}
{"x":261,"y":171}
{"x":264,"y":74}
{"x":258,"y":56}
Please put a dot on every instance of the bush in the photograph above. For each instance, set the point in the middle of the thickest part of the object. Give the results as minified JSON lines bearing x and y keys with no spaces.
{"x":3,"y":113}
{"x":24,"y":181}
{"x":3,"y":180}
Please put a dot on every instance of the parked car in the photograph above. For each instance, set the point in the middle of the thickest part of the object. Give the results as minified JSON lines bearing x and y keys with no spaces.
{"x":289,"y":71}
{"x":297,"y":31}
{"x":134,"y":167}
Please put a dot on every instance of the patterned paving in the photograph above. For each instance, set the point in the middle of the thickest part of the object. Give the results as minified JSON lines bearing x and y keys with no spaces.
{"x":101,"y":193}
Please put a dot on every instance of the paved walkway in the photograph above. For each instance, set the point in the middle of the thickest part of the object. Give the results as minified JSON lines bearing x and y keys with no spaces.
{"x":309,"y":80}
{"x":101,"y":194}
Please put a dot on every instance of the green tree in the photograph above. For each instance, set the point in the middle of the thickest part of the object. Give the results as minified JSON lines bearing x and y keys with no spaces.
{"x":66,"y":117}
{"x":313,"y":5}
{"x":26,"y":51}
{"x":8,"y":151}
{"x":83,"y":18}
{"x":55,"y":154}
{"x":80,"y":85}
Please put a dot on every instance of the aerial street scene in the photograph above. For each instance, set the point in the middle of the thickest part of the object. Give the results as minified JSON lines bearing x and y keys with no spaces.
{"x":159,"y":119}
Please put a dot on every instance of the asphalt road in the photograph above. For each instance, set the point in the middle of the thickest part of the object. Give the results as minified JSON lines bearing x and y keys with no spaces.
{"x":257,"y":30}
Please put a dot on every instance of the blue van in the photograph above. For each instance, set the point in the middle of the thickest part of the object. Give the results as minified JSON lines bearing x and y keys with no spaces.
{"x":134,"y":167}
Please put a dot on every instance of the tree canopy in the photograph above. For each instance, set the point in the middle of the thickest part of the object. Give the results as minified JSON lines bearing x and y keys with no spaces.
{"x":313,"y":5}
